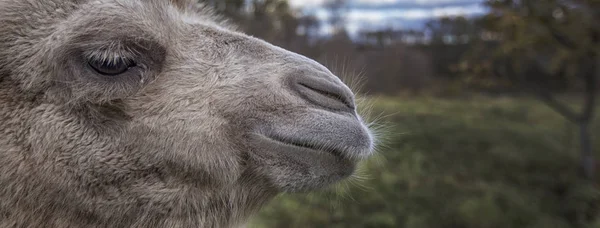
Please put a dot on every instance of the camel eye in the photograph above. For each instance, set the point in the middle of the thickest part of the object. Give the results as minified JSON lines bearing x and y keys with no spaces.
{"x":111,"y":67}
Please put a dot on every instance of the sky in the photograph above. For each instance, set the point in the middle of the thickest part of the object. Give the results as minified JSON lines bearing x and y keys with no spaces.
{"x":398,"y":14}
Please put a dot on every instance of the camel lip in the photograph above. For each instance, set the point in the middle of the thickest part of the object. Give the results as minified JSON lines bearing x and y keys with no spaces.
{"x":309,"y":144}
{"x":334,"y":149}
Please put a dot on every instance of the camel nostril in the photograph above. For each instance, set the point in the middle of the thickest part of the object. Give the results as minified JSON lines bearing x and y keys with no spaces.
{"x":327,"y":94}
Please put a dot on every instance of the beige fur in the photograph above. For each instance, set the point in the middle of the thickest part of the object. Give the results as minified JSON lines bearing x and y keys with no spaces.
{"x":207,"y":126}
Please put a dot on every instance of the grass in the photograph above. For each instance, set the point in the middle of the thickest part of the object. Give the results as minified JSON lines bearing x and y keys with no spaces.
{"x":470,"y":163}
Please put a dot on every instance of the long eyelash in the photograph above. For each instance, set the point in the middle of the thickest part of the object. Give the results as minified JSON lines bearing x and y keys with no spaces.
{"x":110,"y":57}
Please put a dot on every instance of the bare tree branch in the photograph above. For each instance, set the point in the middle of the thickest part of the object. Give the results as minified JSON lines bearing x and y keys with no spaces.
{"x":506,"y":70}
{"x":547,"y":23}
{"x":560,"y":38}
{"x":591,"y":81}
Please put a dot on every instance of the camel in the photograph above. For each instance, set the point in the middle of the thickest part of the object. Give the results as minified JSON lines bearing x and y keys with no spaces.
{"x":158,"y":113}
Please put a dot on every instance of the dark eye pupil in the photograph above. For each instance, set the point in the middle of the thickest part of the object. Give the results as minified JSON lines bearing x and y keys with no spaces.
{"x":110,"y":67}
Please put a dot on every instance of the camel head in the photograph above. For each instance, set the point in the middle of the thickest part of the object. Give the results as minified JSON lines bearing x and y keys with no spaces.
{"x":138,"y":99}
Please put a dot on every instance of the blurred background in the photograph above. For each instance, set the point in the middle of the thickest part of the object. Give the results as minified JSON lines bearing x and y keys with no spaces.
{"x":486,"y":109}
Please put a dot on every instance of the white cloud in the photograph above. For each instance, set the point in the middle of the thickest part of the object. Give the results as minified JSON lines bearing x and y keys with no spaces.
{"x":300,"y":3}
{"x":376,"y":1}
{"x":407,"y":14}
{"x":393,"y":16}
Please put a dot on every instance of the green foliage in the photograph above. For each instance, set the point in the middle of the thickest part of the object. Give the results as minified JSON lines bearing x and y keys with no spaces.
{"x":476,"y":163}
{"x":548,"y":44}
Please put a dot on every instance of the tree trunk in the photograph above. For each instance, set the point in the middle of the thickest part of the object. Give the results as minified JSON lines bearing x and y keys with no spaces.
{"x":587,"y":153}
{"x":587,"y":156}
